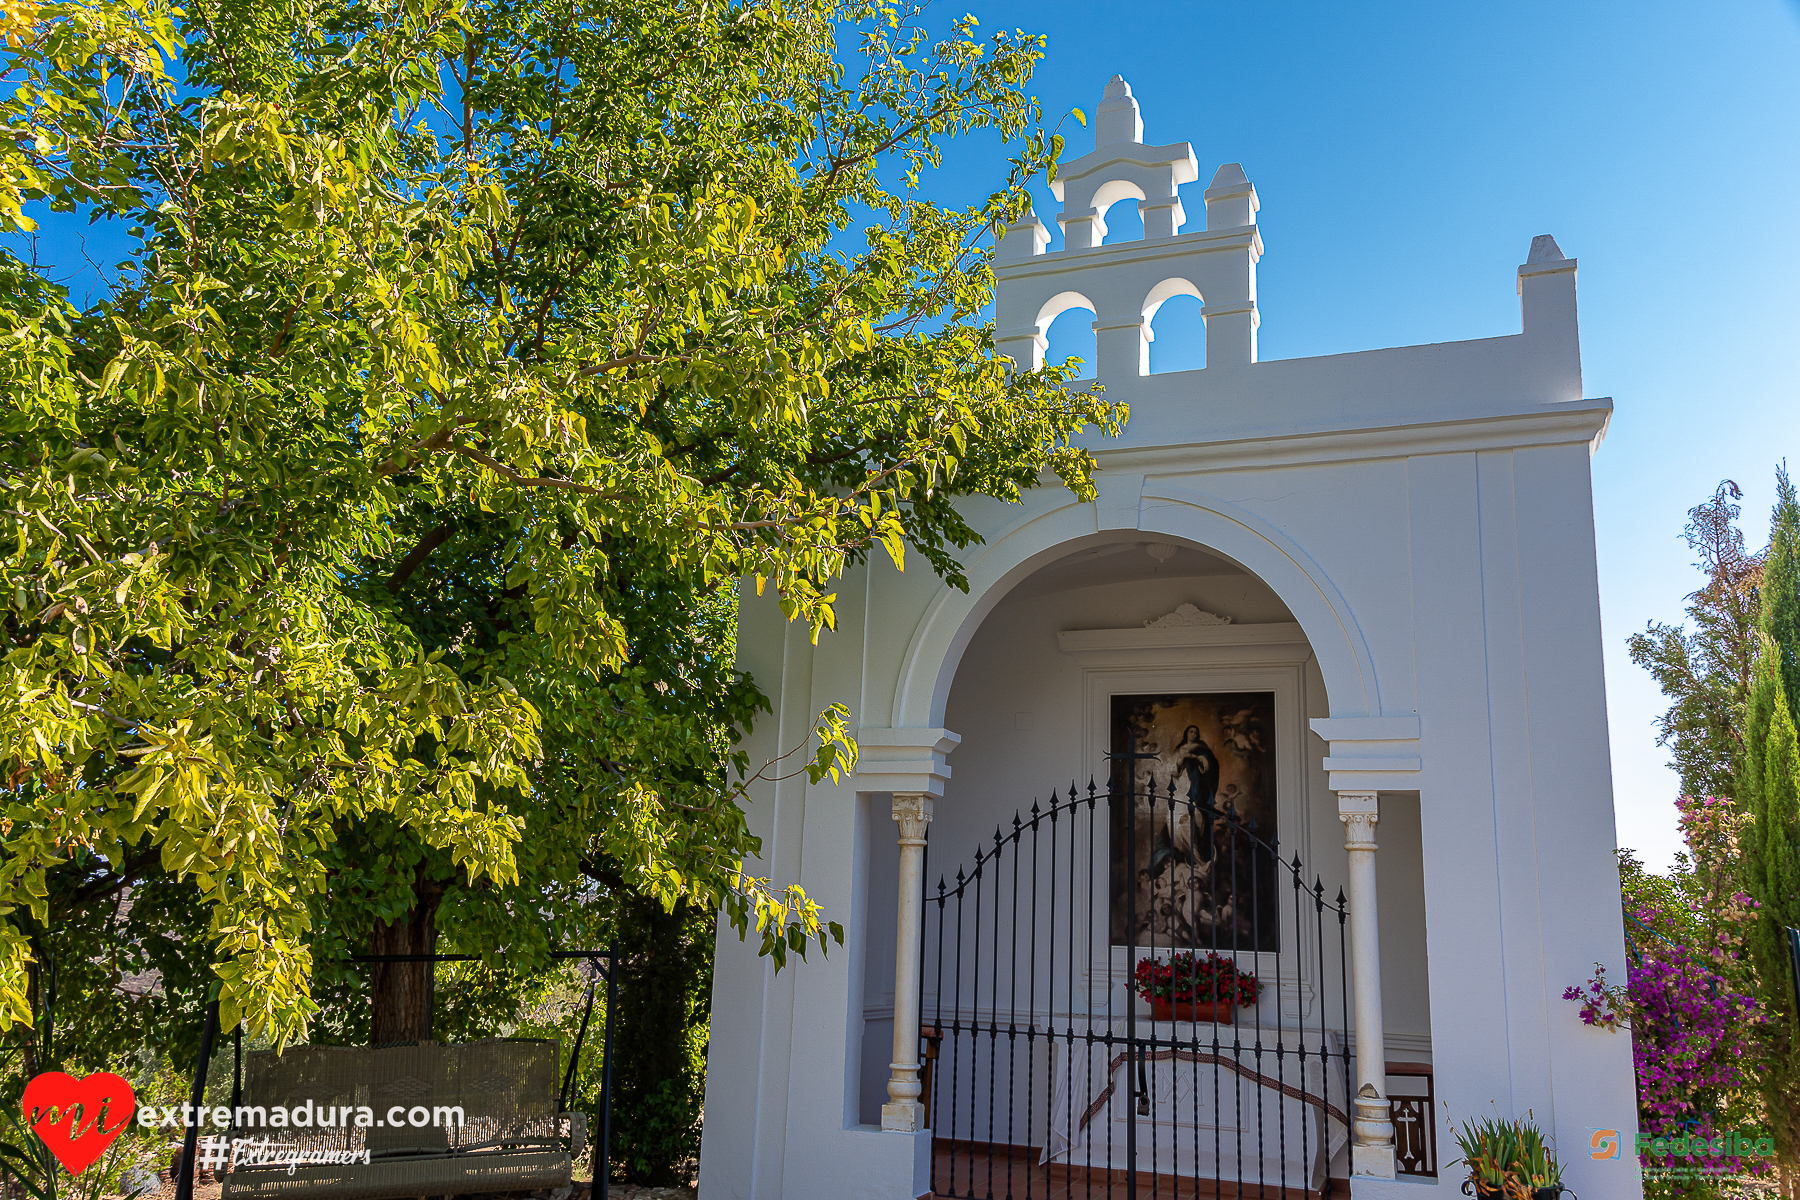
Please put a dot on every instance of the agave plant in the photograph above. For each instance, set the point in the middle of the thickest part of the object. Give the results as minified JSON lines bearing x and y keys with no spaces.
{"x":1508,"y":1160}
{"x":1536,"y":1160}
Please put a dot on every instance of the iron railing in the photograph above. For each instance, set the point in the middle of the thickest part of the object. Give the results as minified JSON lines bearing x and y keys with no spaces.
{"x":1045,"y":1077}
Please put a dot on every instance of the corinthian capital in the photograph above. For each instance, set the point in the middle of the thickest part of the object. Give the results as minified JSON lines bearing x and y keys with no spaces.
{"x":1359,"y":811}
{"x":912,"y":813}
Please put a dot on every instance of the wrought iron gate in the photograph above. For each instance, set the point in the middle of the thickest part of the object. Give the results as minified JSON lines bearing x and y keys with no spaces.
{"x":1044,"y":1074}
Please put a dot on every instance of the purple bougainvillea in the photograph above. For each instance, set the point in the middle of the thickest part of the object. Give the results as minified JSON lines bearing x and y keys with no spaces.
{"x":1686,"y":1001}
{"x":1687,"y":1044}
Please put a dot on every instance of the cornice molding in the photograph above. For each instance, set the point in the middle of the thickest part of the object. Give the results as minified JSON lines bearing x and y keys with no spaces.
{"x":1277,"y":643}
{"x":904,"y":761}
{"x":1121,"y":253}
{"x":1371,"y":754}
{"x":1584,"y":421}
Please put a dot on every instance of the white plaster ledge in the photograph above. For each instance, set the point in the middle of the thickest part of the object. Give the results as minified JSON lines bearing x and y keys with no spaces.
{"x":908,"y":761}
{"x":1405,"y":1187}
{"x":1539,"y":424}
{"x":1338,"y":762}
{"x":1366,"y":729}
{"x":1149,"y":250}
{"x":1371,"y":753}
{"x":1277,"y":642}
{"x":1555,"y":266}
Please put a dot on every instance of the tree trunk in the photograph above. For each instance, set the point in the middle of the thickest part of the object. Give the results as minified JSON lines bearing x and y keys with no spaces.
{"x":402,"y":992}
{"x":658,"y":1084}
{"x":37,"y":1018}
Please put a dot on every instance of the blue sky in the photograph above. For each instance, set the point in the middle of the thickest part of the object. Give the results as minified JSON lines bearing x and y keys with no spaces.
{"x":1405,"y":155}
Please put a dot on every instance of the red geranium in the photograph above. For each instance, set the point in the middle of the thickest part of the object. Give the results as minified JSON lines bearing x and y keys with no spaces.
{"x":1187,"y":977}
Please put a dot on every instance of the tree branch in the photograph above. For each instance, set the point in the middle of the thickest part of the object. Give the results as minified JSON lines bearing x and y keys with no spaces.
{"x":415,"y":558}
{"x":112,"y":884}
{"x":512,"y":476}
{"x":600,"y":874}
{"x":613,"y":364}
{"x":121,"y":722}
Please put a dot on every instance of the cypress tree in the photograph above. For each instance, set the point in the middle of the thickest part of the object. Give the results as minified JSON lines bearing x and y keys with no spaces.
{"x":1769,"y":792}
{"x":1781,"y":589}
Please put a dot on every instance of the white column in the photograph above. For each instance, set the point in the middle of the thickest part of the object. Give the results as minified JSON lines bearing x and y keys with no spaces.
{"x":903,"y":1113}
{"x":1083,"y":229}
{"x":1024,"y":346}
{"x":1372,"y":1133}
{"x":1122,"y":347}
{"x":1230,"y":289}
{"x":1230,"y":331}
{"x":1162,"y":217}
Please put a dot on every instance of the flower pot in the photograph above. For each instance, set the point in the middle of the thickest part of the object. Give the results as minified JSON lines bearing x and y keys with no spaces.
{"x":1470,"y":1187}
{"x":1164,"y":1009}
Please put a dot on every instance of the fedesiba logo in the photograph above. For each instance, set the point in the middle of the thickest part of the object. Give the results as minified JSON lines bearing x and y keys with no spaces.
{"x":1691,"y":1155}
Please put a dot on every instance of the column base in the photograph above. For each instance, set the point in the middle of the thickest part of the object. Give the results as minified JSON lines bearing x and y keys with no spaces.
{"x":1374,"y":1161}
{"x":908,"y":1116}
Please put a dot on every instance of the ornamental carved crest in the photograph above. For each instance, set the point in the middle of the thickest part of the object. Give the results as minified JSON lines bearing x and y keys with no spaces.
{"x":1186,"y":615}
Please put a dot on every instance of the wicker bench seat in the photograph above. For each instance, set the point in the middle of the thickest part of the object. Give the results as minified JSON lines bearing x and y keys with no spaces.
{"x":511,"y":1137}
{"x":503,"y":1171}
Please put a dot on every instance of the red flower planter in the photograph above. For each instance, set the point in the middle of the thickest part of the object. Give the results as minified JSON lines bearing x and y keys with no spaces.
{"x":1220,"y":978}
{"x":1164,"y":1009}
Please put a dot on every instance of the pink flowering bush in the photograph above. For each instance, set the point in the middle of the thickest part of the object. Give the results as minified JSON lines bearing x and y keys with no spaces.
{"x":1605,"y":1005}
{"x":1689,"y":1046}
{"x":1708,"y":877}
{"x":1687,"y":1000}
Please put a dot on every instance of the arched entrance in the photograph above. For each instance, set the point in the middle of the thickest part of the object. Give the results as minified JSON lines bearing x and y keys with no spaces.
{"x":1045,"y":1065}
{"x":1139,"y":511}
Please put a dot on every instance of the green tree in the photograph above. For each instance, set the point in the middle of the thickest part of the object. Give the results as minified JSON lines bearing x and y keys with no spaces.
{"x":1730,"y":731}
{"x":467,"y":355}
{"x":1706,"y":673}
{"x":1769,"y":782}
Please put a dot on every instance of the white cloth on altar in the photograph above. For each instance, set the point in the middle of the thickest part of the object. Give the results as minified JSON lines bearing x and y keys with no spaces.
{"x":1205,"y":1107}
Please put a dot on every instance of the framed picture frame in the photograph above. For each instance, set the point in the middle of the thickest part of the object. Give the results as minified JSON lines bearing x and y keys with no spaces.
{"x":1194,"y":809}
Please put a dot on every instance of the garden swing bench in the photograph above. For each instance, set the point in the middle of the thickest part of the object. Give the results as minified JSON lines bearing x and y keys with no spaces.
{"x":485,"y":1116}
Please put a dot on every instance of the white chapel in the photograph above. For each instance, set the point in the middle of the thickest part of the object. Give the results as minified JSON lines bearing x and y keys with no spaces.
{"x":1235,"y":833}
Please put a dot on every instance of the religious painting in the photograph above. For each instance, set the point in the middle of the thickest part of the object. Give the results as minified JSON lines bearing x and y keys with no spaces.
{"x":1193,"y":819}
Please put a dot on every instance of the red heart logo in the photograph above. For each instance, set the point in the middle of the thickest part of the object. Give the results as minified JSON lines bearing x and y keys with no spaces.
{"x":77,"y":1143}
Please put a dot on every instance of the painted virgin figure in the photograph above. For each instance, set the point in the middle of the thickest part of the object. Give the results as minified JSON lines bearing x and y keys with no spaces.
{"x":1201,"y":809}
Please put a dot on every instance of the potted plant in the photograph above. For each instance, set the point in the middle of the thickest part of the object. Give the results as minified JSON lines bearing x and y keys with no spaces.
{"x":1508,"y":1160}
{"x":1189,"y":987}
